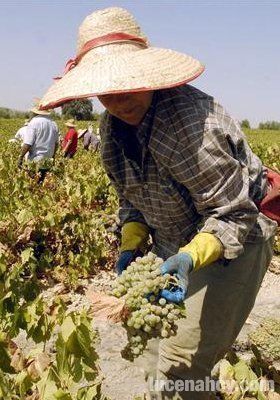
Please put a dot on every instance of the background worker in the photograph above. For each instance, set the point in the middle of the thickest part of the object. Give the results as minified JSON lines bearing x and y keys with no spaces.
{"x":40,"y":141}
{"x":90,"y":140}
{"x":19,"y":136}
{"x":70,"y":140}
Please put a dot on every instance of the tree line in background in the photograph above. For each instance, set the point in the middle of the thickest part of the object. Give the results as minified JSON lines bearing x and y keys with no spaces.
{"x":82,"y":110}
{"x":268,"y":125}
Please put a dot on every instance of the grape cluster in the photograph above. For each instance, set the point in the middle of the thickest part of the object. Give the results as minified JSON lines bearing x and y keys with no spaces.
{"x":149,"y":314}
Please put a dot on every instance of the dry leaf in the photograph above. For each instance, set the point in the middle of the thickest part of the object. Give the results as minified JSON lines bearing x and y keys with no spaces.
{"x":273,"y":396}
{"x":25,"y":237}
{"x":18,"y":361}
{"x":107,"y":307}
{"x":38,"y":365}
{"x":12,"y":347}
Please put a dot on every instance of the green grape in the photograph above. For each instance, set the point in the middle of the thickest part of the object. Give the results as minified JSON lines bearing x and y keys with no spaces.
{"x":130,"y":323}
{"x":147,"y":328}
{"x":170,"y":317}
{"x":164,"y":311}
{"x":138,"y":339}
{"x":150,"y":316}
{"x":164,"y":333}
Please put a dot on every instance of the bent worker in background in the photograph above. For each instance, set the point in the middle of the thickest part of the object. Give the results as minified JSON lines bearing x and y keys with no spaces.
{"x":185,"y":175}
{"x":40,"y":141}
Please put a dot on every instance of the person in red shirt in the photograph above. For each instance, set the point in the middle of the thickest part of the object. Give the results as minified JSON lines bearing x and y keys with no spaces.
{"x":70,"y":141}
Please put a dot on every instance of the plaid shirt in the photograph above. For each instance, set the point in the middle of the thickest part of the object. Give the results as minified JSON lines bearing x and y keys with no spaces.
{"x":197,"y":174}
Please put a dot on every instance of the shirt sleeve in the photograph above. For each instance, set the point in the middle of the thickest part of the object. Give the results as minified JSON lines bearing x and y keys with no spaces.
{"x":18,"y":135}
{"x":30,"y":135}
{"x":127,"y":212}
{"x":219,"y":187}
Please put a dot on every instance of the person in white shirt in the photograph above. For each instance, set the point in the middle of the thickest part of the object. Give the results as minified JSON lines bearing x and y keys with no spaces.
{"x":40,"y":140}
{"x":19,"y":136}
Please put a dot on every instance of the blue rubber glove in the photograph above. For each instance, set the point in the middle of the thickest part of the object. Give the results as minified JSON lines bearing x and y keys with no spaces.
{"x":179,"y":265}
{"x":126,"y":257}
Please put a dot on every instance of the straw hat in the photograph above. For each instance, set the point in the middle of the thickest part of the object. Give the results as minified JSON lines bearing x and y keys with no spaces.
{"x":70,"y":123}
{"x":36,"y":108}
{"x":81,"y":133}
{"x":114,"y":56}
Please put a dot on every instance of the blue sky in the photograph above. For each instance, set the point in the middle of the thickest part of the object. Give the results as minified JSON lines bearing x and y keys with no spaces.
{"x":238,"y":41}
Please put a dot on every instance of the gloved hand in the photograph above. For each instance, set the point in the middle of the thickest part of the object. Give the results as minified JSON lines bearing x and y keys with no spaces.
{"x":179,"y":265}
{"x":126,"y":257}
{"x":203,"y":250}
{"x":134,"y":238}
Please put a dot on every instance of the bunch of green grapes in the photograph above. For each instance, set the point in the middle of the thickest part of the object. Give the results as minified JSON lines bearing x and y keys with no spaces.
{"x":150,"y":316}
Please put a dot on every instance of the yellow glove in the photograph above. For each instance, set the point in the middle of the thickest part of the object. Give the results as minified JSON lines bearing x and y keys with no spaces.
{"x":204,"y":249}
{"x":134,"y":236}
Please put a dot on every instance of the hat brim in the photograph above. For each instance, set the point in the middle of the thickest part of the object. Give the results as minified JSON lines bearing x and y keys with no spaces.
{"x":70,"y":125}
{"x":148,"y":69}
{"x":81,"y":133}
{"x":35,"y":110}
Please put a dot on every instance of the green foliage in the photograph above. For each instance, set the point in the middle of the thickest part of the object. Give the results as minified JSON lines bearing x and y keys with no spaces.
{"x":239,"y":381}
{"x":271,"y":125}
{"x":245,"y":124}
{"x":78,"y":109}
{"x":264,"y":138}
{"x":10,"y":114}
{"x":55,"y":231}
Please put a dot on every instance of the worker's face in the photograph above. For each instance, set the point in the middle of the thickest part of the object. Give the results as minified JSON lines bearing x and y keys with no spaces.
{"x":129,"y":107}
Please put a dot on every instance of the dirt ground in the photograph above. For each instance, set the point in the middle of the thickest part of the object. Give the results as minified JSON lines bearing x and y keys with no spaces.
{"x":124,"y":381}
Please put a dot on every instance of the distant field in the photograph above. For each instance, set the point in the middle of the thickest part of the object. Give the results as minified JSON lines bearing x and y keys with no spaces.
{"x":257,"y":137}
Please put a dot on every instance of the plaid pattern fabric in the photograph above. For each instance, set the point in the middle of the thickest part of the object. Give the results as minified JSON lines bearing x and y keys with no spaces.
{"x":198,"y":174}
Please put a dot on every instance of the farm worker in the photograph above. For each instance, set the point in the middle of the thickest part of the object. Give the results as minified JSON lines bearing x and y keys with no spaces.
{"x":40,"y":141}
{"x":70,"y":141}
{"x":91,"y":141}
{"x":81,"y":133}
{"x":185,"y":175}
{"x":19,"y":136}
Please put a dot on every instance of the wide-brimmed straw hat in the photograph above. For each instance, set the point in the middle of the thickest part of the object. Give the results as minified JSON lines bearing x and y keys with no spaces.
{"x":36,"y":108}
{"x":114,"y":56}
{"x":81,"y":133}
{"x":70,"y":123}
